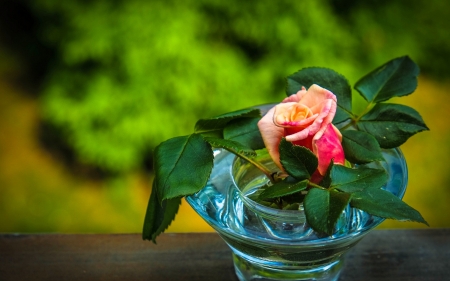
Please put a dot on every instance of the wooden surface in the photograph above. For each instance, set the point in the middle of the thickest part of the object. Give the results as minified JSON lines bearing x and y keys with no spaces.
{"x":382,"y":255}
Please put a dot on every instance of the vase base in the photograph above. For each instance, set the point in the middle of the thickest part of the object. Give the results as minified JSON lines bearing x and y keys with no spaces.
{"x":250,"y":271}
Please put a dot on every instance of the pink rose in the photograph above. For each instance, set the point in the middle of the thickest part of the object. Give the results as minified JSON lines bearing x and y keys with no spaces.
{"x":305,"y":119}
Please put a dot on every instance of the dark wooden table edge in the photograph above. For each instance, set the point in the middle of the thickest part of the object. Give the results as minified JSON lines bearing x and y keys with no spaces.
{"x":409,"y":254}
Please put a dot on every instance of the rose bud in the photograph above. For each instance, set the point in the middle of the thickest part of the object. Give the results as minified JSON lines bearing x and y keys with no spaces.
{"x":305,"y":119}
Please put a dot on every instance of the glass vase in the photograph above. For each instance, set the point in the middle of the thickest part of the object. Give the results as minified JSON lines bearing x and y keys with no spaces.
{"x":274,"y":244}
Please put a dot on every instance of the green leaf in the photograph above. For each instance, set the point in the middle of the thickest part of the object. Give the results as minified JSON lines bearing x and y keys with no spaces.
{"x":244,"y":131}
{"x":158,"y":217}
{"x":382,"y":203}
{"x":298,"y":161}
{"x":395,"y":78}
{"x":360,"y":147}
{"x":391,"y":124}
{"x":324,"y":207}
{"x":357,"y":179}
{"x":328,"y":79}
{"x":341,"y":115}
{"x":219,"y":122}
{"x":182,"y":166}
{"x":326,"y":180}
{"x":293,"y":199}
{"x":282,"y":188}
{"x":261,"y":153}
{"x":231,"y":146}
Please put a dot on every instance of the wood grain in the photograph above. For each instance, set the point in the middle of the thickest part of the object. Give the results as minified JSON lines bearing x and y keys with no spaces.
{"x":382,"y":255}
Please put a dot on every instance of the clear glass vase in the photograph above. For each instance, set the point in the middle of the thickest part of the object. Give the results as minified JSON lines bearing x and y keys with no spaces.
{"x":273,"y":244}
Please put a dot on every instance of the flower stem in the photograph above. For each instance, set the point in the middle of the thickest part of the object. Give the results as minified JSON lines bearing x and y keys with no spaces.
{"x":348,"y":125}
{"x":316,"y":185}
{"x":367,"y":109}
{"x":258,"y":165}
{"x":358,"y":117}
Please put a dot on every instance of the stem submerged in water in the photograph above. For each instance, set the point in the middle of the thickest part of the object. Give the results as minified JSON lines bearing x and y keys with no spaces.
{"x":258,"y":165}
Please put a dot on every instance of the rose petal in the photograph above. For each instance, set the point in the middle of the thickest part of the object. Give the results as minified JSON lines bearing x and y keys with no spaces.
{"x":299,"y":124}
{"x":328,"y":147}
{"x":306,"y":142}
{"x":320,"y":122}
{"x":295,"y":97}
{"x":325,"y":117}
{"x":299,"y":135}
{"x":293,"y":114}
{"x":305,"y":119}
{"x":316,"y":95}
{"x":271,"y":135}
{"x":338,"y":133}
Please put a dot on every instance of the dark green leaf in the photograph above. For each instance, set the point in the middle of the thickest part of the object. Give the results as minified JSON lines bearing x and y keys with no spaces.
{"x":324,"y":207}
{"x":396,"y":78}
{"x":341,"y":116}
{"x":294,"y":198}
{"x":328,"y":79}
{"x":360,"y":147}
{"x":382,"y":203}
{"x":298,"y":161}
{"x":158,"y":217}
{"x":231,"y":146}
{"x":244,"y":131}
{"x":326,"y":180}
{"x":213,"y":133}
{"x":357,"y":179}
{"x":219,"y":122}
{"x":391,"y":124}
{"x":282,"y":188}
{"x":182,"y":166}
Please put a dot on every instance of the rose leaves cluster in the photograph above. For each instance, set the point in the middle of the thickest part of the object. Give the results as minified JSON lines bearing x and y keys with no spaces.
{"x":319,"y":144}
{"x":382,"y":125}
{"x":304,"y":119}
{"x":183,"y":164}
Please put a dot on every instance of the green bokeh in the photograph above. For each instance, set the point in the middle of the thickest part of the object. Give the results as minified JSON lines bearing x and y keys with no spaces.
{"x":132,"y":74}
{"x":122,"y":76}
{"x":129,"y":74}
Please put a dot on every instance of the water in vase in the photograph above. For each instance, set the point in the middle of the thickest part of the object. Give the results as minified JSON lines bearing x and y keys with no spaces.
{"x":273,"y":244}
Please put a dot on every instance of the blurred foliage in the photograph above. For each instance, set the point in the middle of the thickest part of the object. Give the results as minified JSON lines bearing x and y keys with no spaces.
{"x":115,"y":78}
{"x":417,"y":28}
{"x":125,"y":75}
{"x":130,"y":74}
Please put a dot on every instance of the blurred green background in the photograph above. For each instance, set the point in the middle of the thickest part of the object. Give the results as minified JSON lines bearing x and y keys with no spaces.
{"x":89,"y":88}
